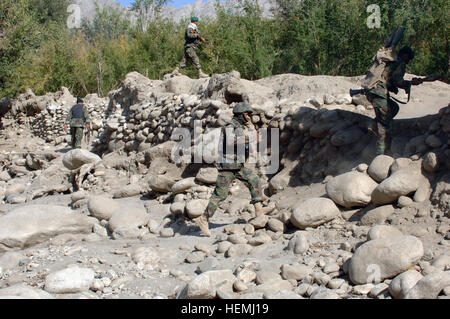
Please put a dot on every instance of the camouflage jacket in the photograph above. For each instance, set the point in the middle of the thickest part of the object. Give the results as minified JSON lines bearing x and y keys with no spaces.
{"x":392,"y":79}
{"x":191,"y":36}
{"x":80,"y":119}
{"x":235,"y":144}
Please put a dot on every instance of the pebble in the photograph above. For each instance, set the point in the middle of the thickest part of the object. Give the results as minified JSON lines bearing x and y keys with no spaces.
{"x":335,"y":283}
{"x":362,"y":289}
{"x":378,"y":289}
{"x":195,"y":257}
{"x":223,"y":246}
{"x":166,"y":232}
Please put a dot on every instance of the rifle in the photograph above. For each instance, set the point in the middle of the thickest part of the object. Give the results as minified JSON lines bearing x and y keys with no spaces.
{"x":415,"y":81}
{"x":87,"y":135}
{"x":431,"y":78}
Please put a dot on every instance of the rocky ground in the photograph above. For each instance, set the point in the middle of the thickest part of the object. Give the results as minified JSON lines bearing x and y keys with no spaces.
{"x":115,"y":220}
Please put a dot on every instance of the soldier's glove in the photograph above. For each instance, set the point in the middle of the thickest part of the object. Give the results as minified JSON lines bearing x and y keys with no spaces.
{"x":416,"y":81}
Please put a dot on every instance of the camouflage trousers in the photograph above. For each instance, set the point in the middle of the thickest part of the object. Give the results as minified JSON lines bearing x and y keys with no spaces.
{"x":190,"y":55}
{"x":77,"y":136}
{"x":385,"y":111}
{"x":224,"y":181}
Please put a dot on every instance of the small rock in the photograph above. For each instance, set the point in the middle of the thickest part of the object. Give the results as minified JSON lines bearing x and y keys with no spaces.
{"x":362,"y":289}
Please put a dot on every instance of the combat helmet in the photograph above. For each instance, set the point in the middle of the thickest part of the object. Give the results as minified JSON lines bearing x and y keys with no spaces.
{"x":241,"y":108}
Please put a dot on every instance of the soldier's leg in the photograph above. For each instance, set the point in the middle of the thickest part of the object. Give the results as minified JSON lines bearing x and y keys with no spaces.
{"x":220,"y":193}
{"x":78,"y":137}
{"x":183,"y":61}
{"x":73,"y":131}
{"x":393,"y":110}
{"x":381,"y":109}
{"x":192,"y":56}
{"x":254,"y":184}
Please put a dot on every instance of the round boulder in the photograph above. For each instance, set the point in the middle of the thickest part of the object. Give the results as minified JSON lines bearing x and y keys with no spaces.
{"x":402,"y":182}
{"x":102,"y":207}
{"x":384,"y":258}
{"x":195,"y":208}
{"x":379,"y":168}
{"x":314,"y":212}
{"x":351,"y":189}
{"x":76,"y":158}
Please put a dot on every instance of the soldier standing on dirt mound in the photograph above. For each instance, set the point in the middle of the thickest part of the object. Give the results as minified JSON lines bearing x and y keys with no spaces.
{"x":193,"y":38}
{"x":78,"y":118}
{"x":385,"y":108}
{"x":231,"y":166}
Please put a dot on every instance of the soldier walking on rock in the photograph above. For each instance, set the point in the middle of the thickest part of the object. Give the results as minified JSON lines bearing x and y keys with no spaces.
{"x":385,"y":108}
{"x":230,"y":165}
{"x":78,"y":118}
{"x":193,"y":38}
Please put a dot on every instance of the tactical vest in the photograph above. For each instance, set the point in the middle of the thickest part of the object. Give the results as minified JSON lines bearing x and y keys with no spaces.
{"x":233,"y":161}
{"x":78,"y":112}
{"x":376,"y":73}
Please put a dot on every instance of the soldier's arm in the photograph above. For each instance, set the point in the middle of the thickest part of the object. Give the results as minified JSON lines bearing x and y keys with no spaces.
{"x":192,"y":33}
{"x":397,"y":75}
{"x":86,"y":114}
{"x":69,"y":116}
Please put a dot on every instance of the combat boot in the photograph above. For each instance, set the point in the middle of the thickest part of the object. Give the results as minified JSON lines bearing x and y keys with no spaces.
{"x":259,"y":210}
{"x":202,"y":222}
{"x":202,"y":75}
{"x":176,"y":72}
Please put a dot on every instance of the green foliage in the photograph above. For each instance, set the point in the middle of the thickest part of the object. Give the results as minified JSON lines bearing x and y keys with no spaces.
{"x":309,"y":37}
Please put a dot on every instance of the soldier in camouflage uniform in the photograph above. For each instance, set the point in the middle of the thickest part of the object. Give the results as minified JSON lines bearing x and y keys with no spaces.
{"x":385,"y":108}
{"x":78,"y":118}
{"x":193,"y":38}
{"x":231,"y":166}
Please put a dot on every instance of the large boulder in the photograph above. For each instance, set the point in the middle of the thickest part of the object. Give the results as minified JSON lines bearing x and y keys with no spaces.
{"x":131,"y":214}
{"x":30,"y":225}
{"x":430,"y":286}
{"x":377,"y":215}
{"x":383,"y":231}
{"x":24,"y":291}
{"x":347,"y":136}
{"x":402,"y":182}
{"x":351,"y":189}
{"x":70,"y":280}
{"x":401,"y":284}
{"x":78,"y":157}
{"x":161,"y":183}
{"x":206,"y":285}
{"x":379,"y":168}
{"x":54,"y":179}
{"x":130,"y":190}
{"x":314,"y":212}
{"x":102,"y":207}
{"x":384,"y":258}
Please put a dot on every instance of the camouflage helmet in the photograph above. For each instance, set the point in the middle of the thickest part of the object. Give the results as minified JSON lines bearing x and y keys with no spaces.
{"x":242,"y":107}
